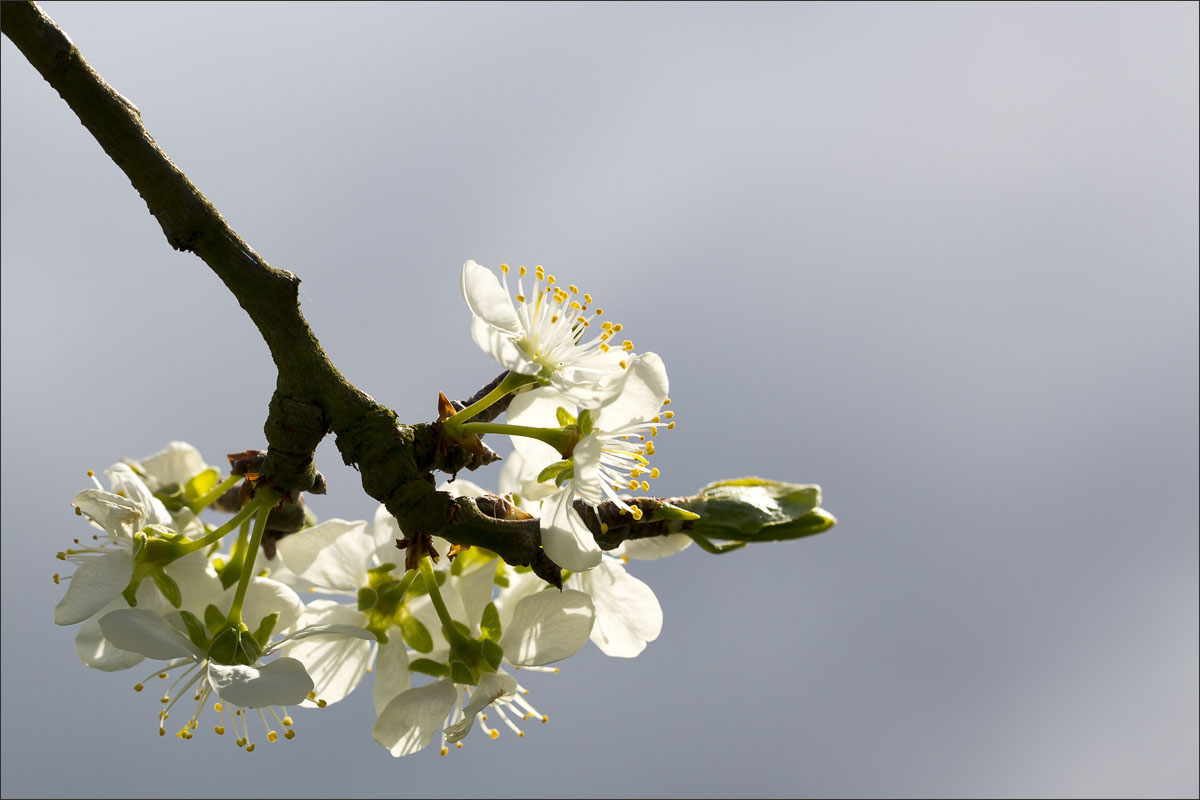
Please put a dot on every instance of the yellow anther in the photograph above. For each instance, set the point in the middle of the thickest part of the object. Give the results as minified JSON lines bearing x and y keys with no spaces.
{"x":78,"y":512}
{"x":653,"y":433}
{"x":495,"y":734}
{"x":162,"y":732}
{"x":523,"y":273}
{"x":250,"y":748}
{"x":633,"y":473}
{"x":321,"y":703}
{"x":289,"y":734}
{"x":637,"y":512}
{"x":520,"y":733}
{"x":667,"y":401}
{"x":574,"y":289}
{"x":599,"y":311}
{"x":137,"y":687}
{"x":645,"y":486}
{"x":623,"y":364}
{"x":668,"y":414}
{"x":554,"y":318}
{"x":55,"y":579}
{"x":633,"y":484}
{"x":627,"y":346}
{"x":546,"y":719}
{"x":670,"y":426}
{"x":241,"y":742}
{"x":61,"y":556}
{"x":606,"y":326}
{"x":162,"y":675}
{"x":272,"y":736}
{"x":618,"y":327}
{"x":520,"y":298}
{"x":166,"y":698}
{"x":287,"y":721}
{"x":91,"y":473}
{"x":604,"y":527}
{"x":654,"y":473}
{"x":621,"y":511}
{"x":444,"y":750}
{"x":656,"y":419}
{"x":219,"y":730}
{"x":550,"y":279}
{"x":218,"y":707}
{"x":504,"y":268}
{"x":587,"y":298}
{"x":603,"y":347}
{"x":312,"y":695}
{"x":575,"y":305}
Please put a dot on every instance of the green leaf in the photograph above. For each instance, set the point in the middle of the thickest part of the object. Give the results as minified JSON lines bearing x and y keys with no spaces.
{"x":201,"y":484}
{"x":367,"y":597}
{"x":265,"y":628}
{"x":489,"y":625}
{"x":214,"y":620}
{"x":195,"y":629}
{"x":415,"y":634}
{"x":758,"y":510}
{"x":552,"y":472}
{"x":169,"y":588}
{"x":564,"y":417}
{"x":427,"y":666}
{"x":585,"y":422}
{"x":492,"y":653}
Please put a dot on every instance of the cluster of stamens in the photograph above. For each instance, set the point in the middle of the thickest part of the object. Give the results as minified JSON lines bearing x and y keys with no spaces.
{"x":555,"y":320}
{"x":519,"y":706}
{"x":624,"y":459}
{"x":237,"y":718}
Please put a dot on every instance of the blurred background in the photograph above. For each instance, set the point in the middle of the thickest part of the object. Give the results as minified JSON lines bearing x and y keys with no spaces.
{"x":940,"y":259}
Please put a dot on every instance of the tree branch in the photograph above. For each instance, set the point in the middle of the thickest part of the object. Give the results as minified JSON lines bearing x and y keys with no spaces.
{"x":311,"y":397}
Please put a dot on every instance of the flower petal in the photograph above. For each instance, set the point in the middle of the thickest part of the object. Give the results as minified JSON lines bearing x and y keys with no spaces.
{"x":333,"y":647}
{"x":548,"y":627}
{"x":282,"y":682}
{"x":628,"y":615}
{"x":334,"y":554}
{"x":124,"y":481}
{"x":492,"y":687}
{"x":178,"y":462}
{"x":643,"y":388}
{"x":410,"y":720}
{"x":95,"y":583}
{"x":391,"y":671}
{"x":140,"y":630}
{"x":565,"y":537}
{"x":118,"y":516}
{"x":487,"y":299}
{"x":537,"y":408}
{"x":500,"y":346}
{"x":653,"y":547}
{"x":263,"y":597}
{"x":99,"y":653}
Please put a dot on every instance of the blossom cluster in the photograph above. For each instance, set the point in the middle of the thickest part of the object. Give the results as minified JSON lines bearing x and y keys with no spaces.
{"x":254,"y":637}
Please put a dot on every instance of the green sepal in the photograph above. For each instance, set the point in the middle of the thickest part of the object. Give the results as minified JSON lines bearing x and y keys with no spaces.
{"x":171,"y":496}
{"x":665,"y":510}
{"x":265,"y":628}
{"x":414,"y":632}
{"x":214,"y":620}
{"x":461,"y":673}
{"x":367,"y":597}
{"x":169,"y":588}
{"x":492,"y":653}
{"x":201,"y":484}
{"x":249,"y":647}
{"x":715,"y":549}
{"x":489,"y":625}
{"x":586,"y":425}
{"x":224,"y":647}
{"x":427,"y":666}
{"x":195,"y":629}
{"x":564,"y":417}
{"x":758,"y":510}
{"x":552,"y":472}
{"x":462,"y":629}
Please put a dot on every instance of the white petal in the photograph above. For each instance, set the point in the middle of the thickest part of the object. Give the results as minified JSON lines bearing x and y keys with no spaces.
{"x":565,"y":538}
{"x":265,"y":596}
{"x":586,"y":484}
{"x":124,"y":481}
{"x":197,"y":581}
{"x":332,"y":648}
{"x":334,"y":554}
{"x":537,"y":408}
{"x":500,"y":346}
{"x":475,"y":591}
{"x":140,"y":630}
{"x":410,"y":720}
{"x":487,"y":299}
{"x":391,"y":671}
{"x":519,"y":477}
{"x":653,"y":547}
{"x":118,"y":516}
{"x":628,"y":614}
{"x":461,"y":487}
{"x":178,"y":462}
{"x":282,"y":682}
{"x":99,"y":653}
{"x":492,"y":687}
{"x":95,"y":583}
{"x":643,"y":389}
{"x":385,"y":530}
{"x":548,"y":627}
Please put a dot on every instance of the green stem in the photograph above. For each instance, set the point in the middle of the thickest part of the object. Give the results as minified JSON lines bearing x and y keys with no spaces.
{"x":435,"y":595}
{"x":209,"y":538}
{"x":200,"y":503}
{"x":513,"y":381}
{"x":263,"y":504}
{"x":561,"y":439}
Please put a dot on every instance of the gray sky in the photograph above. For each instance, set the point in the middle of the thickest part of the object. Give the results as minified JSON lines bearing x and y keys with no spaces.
{"x":941,"y":259}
